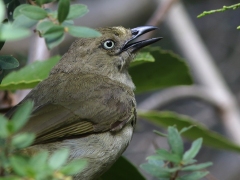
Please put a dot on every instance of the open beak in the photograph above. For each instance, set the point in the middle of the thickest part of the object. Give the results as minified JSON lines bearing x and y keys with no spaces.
{"x":136,"y":32}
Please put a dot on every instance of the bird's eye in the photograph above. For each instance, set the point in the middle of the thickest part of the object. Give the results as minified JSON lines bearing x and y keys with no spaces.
{"x":109,"y":44}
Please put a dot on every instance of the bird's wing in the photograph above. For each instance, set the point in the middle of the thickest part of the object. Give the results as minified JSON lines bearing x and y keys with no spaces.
{"x":77,"y":105}
{"x":53,"y":122}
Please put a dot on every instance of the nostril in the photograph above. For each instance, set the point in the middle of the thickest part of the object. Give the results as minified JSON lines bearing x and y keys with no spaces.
{"x":134,"y":32}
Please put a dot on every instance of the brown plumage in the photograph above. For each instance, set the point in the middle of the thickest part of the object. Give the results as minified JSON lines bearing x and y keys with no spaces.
{"x":87,"y":103}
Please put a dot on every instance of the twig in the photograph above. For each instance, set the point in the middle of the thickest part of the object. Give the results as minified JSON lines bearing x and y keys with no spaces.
{"x":224,"y":8}
{"x":169,"y":95}
{"x":159,"y":15}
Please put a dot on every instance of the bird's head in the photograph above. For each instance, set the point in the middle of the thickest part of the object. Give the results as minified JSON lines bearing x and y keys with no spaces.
{"x":109,"y":55}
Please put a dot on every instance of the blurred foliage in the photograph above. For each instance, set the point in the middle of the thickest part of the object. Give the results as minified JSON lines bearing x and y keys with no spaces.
{"x":167,"y":70}
{"x":211,"y":138}
{"x":16,"y":164}
{"x":49,"y":24}
{"x":30,"y":75}
{"x":224,"y":8}
{"x":175,"y":164}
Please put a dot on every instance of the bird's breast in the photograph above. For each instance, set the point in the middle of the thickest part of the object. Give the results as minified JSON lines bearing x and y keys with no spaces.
{"x":100,"y":150}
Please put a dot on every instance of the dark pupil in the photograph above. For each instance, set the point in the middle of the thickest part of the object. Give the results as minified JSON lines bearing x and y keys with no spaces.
{"x":109,"y":44}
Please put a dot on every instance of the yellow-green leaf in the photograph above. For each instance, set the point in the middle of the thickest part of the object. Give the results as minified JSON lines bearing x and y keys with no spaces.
{"x":30,"y":75}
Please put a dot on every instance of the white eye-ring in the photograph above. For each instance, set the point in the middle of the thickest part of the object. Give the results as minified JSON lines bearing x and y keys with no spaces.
{"x":109,"y":44}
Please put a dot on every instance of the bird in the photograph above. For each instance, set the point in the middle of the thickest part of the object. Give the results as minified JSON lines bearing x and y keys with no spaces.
{"x":87,"y":103}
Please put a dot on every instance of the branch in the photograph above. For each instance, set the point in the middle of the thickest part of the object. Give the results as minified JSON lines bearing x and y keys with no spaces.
{"x":224,"y":8}
{"x":159,"y":15}
{"x":167,"y":96}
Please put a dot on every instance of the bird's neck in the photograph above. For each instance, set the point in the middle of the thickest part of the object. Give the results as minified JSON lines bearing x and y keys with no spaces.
{"x":120,"y":77}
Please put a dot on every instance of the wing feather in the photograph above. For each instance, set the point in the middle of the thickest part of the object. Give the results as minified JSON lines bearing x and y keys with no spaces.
{"x":67,"y":105}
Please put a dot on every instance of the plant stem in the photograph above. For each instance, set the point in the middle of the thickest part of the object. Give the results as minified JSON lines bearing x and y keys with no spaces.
{"x":175,"y":175}
{"x":224,"y":8}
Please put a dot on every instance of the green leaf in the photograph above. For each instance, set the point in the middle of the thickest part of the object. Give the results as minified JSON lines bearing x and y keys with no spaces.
{"x":2,"y":74}
{"x":197,"y":166}
{"x":74,"y":167}
{"x":53,"y":42}
{"x":30,"y":75}
{"x":58,"y":158}
{"x":63,"y":10}
{"x":76,"y":11}
{"x":19,"y":165}
{"x":127,"y":171}
{"x":34,"y":12}
{"x":20,"y":141}
{"x":175,"y":141}
{"x":11,"y":7}
{"x":39,"y":161}
{"x":167,"y":70}
{"x":191,"y":161}
{"x":43,"y":26}
{"x":54,"y":36}
{"x":9,"y":32}
{"x":17,"y":12}
{"x":155,"y":160}
{"x":194,"y":176}
{"x":38,"y":165}
{"x":41,"y":2}
{"x":155,"y":171}
{"x":54,"y":31}
{"x":21,"y":116}
{"x":193,"y":151}
{"x":185,"y":129}
{"x":2,"y":44}
{"x":2,"y":11}
{"x":210,"y":138}
{"x":8,"y":62}
{"x":142,"y":57}
{"x":3,"y":127}
{"x":10,"y":178}
{"x":24,"y":21}
{"x":167,"y":156}
{"x":164,"y":169}
{"x":78,"y":31}
{"x":68,"y":23}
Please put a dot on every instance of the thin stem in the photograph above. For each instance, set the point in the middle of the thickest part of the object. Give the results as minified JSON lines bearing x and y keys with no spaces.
{"x":175,"y":175}
{"x":224,"y":8}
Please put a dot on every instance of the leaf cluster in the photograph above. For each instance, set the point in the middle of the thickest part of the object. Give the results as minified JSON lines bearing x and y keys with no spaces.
{"x":16,"y":164}
{"x":210,"y":138}
{"x":49,"y":24}
{"x":175,"y":164}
